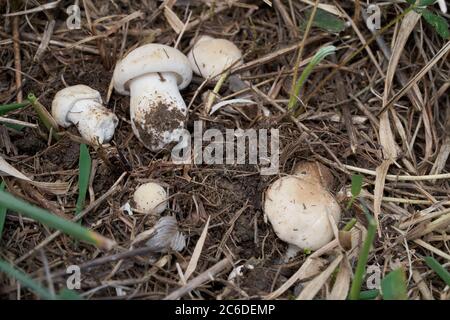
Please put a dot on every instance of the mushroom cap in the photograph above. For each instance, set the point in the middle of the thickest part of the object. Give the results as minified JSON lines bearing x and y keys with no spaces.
{"x":66,"y":98}
{"x":209,"y":57}
{"x":150,"y":198}
{"x":151,"y":58}
{"x":299,"y":212}
{"x":315,"y":172}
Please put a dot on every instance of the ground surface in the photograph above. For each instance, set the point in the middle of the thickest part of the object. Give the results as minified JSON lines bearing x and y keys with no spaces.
{"x":231,"y":195}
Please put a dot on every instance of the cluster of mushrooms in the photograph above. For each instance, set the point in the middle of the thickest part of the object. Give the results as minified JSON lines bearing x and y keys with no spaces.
{"x":152,"y":76}
{"x":300,"y":207}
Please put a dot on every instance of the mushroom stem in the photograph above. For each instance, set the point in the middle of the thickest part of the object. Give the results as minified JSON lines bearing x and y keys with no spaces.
{"x":152,"y":95}
{"x":94,"y":122}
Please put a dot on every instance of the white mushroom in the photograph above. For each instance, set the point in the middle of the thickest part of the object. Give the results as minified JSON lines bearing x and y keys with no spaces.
{"x":152,"y":75}
{"x":82,"y":106}
{"x":150,"y":198}
{"x":299,"y":209}
{"x":210,"y":57}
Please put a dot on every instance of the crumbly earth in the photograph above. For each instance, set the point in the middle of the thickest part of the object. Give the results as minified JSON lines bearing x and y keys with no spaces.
{"x":160,"y":119}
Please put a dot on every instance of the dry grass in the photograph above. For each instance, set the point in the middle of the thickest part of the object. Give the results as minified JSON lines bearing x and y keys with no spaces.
{"x":341,"y":127}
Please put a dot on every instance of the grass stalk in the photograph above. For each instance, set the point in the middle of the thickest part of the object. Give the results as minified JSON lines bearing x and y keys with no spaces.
{"x":2,"y":212}
{"x":319,"y":56}
{"x":363,"y":255}
{"x":349,"y":225}
{"x":84,"y":167}
{"x":5,"y":108}
{"x":26,"y":281}
{"x":302,"y":45}
{"x":439,"y":269}
{"x":359,"y":50}
{"x":73,"y":229}
{"x":46,"y":118}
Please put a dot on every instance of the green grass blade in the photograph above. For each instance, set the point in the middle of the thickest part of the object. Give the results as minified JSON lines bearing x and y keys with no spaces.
{"x":369,"y":294}
{"x":73,"y":229}
{"x":393,"y":285}
{"x":2,"y":212}
{"x":349,"y":225}
{"x":326,"y":21}
{"x":357,"y":182}
{"x":45,"y":117}
{"x":318,"y":57}
{"x":439,"y":269}
{"x":67,"y":294}
{"x":363,"y":255}
{"x":25,"y":280}
{"x":5,"y":108}
{"x":84,"y":167}
{"x":14,"y":126}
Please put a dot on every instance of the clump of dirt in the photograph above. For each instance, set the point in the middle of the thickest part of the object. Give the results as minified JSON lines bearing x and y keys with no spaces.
{"x":159,"y":119}
{"x":29,"y":143}
{"x":63,"y":156}
{"x":259,"y":281}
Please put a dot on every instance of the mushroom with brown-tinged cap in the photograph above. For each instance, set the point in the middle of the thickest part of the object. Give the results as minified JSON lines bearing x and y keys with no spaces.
{"x":152,"y":75}
{"x":301,"y":210}
{"x":82,"y":106}
{"x":209,"y":57}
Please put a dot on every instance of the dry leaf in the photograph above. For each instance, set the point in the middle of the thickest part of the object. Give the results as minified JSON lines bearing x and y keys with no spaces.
{"x":197,"y":251}
{"x":313,"y":287}
{"x":57,"y":188}
{"x":309,"y":268}
{"x":387,"y":139}
{"x":342,"y":283}
{"x":221,"y":104}
{"x":380,"y":180}
{"x":173,"y":20}
{"x":407,"y":26}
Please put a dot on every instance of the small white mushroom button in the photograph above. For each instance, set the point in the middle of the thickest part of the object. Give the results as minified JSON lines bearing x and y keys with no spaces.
{"x":299,"y":208}
{"x":210,"y":57}
{"x":153,"y":75}
{"x":81,"y":106}
{"x":150,"y":198}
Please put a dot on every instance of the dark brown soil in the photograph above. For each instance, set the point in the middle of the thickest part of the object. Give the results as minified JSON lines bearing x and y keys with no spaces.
{"x":160,"y":118}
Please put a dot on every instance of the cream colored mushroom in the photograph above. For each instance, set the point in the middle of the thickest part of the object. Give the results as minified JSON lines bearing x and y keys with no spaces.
{"x":153,"y":75}
{"x":210,"y":57}
{"x":150,"y":198}
{"x":82,"y":106}
{"x":299,"y":210}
